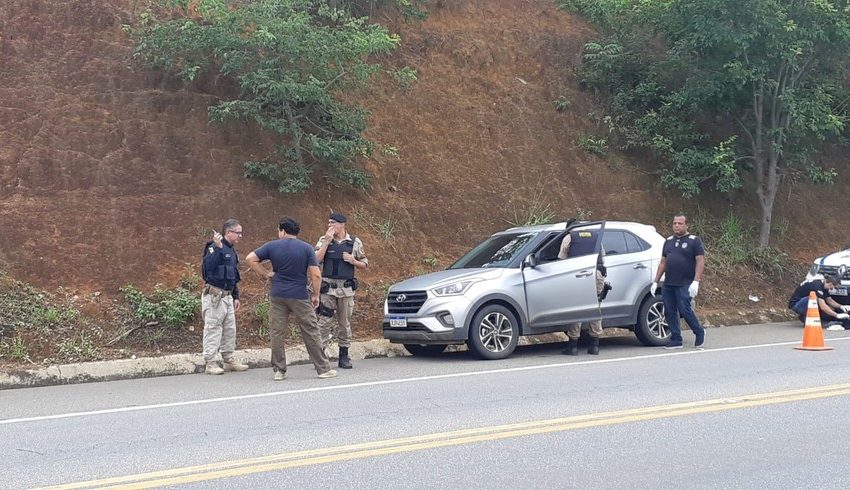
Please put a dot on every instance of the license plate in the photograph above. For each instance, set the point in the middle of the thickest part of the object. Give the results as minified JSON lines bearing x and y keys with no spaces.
{"x":838,"y":292}
{"x":398,"y":322}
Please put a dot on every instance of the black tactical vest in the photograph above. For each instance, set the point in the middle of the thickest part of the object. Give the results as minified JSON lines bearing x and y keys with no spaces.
{"x":582,"y":242}
{"x":225,"y":275}
{"x":333,"y":267}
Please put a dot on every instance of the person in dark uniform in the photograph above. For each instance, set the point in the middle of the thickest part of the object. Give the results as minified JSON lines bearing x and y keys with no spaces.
{"x":682,"y":264}
{"x":220,"y":299}
{"x":829,"y":309}
{"x":575,"y":244}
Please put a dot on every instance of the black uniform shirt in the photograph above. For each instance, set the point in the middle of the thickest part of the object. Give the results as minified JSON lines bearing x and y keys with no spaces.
{"x":681,"y":253}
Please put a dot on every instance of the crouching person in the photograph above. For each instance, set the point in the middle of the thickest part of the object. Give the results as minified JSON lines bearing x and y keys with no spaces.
{"x":831,"y":312}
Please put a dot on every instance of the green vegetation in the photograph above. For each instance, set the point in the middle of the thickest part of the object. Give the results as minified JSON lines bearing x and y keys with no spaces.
{"x":562,"y":103}
{"x":721,"y":88}
{"x":731,"y":243}
{"x":535,"y":212}
{"x":293,"y":61}
{"x":171,"y":307}
{"x":79,"y":348}
{"x":34,"y":323}
{"x":14,"y":348}
{"x":595,"y":146}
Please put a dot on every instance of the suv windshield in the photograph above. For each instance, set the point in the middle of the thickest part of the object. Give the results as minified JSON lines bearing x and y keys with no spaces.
{"x":496,"y":251}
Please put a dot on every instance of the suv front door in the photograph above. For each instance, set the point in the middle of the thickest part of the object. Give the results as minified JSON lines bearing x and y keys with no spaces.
{"x":561,"y":292}
{"x":629,"y":263}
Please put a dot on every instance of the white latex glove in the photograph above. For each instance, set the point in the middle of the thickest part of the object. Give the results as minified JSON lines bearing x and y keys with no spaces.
{"x":653,"y":288}
{"x":845,"y":308}
{"x":842,"y":316}
{"x":693,"y":289}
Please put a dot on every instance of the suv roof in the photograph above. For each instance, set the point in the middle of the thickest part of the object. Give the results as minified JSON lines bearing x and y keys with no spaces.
{"x":563,"y":224}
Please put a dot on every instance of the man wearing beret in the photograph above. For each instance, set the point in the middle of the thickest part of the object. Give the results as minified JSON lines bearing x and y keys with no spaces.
{"x":339,"y":254}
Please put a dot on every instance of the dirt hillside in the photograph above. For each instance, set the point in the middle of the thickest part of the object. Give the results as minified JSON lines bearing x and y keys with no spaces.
{"x":111,"y":174}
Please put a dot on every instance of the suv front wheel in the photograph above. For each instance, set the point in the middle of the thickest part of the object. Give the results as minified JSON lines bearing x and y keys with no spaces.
{"x":494,"y":332}
{"x":651,"y":328}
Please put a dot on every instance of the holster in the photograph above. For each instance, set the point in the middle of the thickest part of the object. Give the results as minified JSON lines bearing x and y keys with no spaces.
{"x":604,"y":293}
{"x":323,"y":310}
{"x":325,"y":287}
{"x":351,"y":283}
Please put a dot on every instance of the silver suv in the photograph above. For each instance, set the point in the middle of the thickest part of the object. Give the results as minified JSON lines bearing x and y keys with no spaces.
{"x":513,"y":284}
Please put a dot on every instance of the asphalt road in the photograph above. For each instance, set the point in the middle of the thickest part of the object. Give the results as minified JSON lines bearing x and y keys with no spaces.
{"x":750,"y":411}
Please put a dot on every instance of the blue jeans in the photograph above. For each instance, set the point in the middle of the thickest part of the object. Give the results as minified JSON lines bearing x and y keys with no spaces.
{"x":677,"y":302}
{"x":801,"y":307}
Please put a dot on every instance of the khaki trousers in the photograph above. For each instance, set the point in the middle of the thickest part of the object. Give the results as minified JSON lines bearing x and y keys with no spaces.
{"x":279,"y":310}
{"x":339,"y":325}
{"x":219,"y":326}
{"x":595,"y":326}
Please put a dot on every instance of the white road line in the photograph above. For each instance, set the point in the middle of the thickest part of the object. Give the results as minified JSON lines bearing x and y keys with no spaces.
{"x":139,"y":408}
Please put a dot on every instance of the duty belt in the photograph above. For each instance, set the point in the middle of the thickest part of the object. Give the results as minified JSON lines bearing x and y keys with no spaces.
{"x":209,"y":289}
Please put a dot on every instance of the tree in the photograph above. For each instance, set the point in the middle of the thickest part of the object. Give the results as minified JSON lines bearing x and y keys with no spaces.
{"x":775,"y":69}
{"x":292,"y":60}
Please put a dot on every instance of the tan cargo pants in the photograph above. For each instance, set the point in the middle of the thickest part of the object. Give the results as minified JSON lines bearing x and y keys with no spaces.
{"x":338,"y":326}
{"x":595,"y":326}
{"x":219,"y":326}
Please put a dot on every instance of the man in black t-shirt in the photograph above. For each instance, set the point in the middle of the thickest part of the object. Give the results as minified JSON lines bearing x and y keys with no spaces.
{"x":829,"y":309}
{"x":682,"y":263}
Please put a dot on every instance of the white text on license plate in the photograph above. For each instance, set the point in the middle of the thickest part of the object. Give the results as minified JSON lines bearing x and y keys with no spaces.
{"x":398,"y":322}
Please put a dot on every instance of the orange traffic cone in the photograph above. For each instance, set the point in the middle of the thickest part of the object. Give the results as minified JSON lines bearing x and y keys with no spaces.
{"x":812,"y":332}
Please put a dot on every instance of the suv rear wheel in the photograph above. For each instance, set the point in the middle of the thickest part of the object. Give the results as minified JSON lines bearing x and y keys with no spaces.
{"x":651,"y":328}
{"x":494,"y":332}
{"x":425,"y":350}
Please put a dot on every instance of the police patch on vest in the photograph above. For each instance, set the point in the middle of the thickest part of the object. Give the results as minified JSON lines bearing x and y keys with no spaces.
{"x":212,"y":249}
{"x":585,"y":234}
{"x":685,"y":245}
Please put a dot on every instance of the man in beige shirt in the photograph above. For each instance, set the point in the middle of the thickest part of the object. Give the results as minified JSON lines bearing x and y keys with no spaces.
{"x":339,"y":255}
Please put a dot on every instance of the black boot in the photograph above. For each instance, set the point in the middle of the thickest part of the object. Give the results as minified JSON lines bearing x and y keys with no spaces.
{"x":344,"y":361}
{"x":571,"y":349}
{"x":594,"y":346}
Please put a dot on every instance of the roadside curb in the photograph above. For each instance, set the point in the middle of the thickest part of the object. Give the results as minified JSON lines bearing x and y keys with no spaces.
{"x":177,"y":364}
{"x":170,"y":365}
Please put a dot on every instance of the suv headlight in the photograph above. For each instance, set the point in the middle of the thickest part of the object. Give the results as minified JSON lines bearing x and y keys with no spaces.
{"x":454,"y":288}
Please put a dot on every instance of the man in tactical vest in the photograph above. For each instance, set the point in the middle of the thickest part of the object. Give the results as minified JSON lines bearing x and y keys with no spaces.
{"x":220,"y":298}
{"x":575,"y":244}
{"x":339,"y":254}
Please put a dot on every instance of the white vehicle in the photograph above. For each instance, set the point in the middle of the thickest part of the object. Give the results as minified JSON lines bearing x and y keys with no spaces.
{"x":836,"y":264}
{"x":513,"y":284}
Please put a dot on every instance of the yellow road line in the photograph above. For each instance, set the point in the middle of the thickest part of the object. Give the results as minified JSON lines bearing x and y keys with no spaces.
{"x":236,"y":468}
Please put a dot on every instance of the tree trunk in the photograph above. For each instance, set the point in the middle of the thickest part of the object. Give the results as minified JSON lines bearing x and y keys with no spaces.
{"x":766,"y":201}
{"x":769,"y":185}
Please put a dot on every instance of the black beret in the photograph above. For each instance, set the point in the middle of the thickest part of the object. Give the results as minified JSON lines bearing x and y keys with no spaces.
{"x":338,"y":217}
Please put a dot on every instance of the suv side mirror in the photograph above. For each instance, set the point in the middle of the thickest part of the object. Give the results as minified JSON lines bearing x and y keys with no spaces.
{"x":530,"y":261}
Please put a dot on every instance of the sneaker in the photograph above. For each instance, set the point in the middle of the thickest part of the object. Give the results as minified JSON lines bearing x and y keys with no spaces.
{"x":235,"y":365}
{"x":213,"y":368}
{"x":328,"y":374}
{"x":673,"y":345}
{"x":279,"y":375}
{"x":699,"y":343}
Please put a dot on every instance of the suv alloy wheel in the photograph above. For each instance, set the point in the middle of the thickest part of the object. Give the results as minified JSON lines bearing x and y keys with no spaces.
{"x":494,"y":332}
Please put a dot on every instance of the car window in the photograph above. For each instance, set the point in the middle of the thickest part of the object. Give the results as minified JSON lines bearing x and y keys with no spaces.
{"x":496,"y":251}
{"x":614,"y":242}
{"x":634,"y":243}
{"x":552,"y":247}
